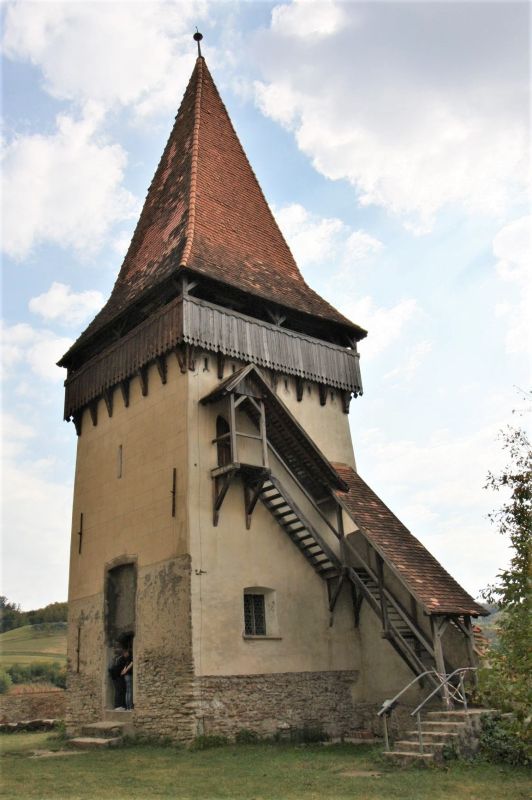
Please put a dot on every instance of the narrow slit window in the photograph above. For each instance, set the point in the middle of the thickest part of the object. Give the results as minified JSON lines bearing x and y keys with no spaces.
{"x":119,"y":462}
{"x":254,"y":615}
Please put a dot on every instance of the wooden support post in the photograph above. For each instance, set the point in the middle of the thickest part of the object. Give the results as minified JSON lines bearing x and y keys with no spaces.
{"x":182,"y":356}
{"x":221,"y":485}
{"x":124,"y":388}
{"x":263,"y":434}
{"x":108,"y":400}
{"x":93,"y":410}
{"x":80,"y":532}
{"x":220,"y":359}
{"x":333,"y":598}
{"x":143,"y":377}
{"x":232,"y":428}
{"x":438,"y":626}
{"x":470,"y":642}
{"x":174,"y":489}
{"x":300,"y":387}
{"x":162,"y":367}
{"x":77,"y":418}
{"x":346,"y":401}
{"x":384,"y":607}
{"x":251,"y":495}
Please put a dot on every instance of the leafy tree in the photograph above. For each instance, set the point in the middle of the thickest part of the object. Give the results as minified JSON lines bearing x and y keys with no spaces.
{"x":10,"y":615}
{"x":506,"y":682}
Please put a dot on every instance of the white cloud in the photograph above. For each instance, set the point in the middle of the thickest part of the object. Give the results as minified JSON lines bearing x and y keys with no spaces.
{"x":406,"y":370}
{"x":413,"y":130}
{"x":385,"y":325}
{"x":62,"y":304}
{"x":36,"y":512}
{"x":512,"y":247}
{"x":325,"y":241}
{"x":63,"y":188}
{"x":39,"y":349}
{"x":135,"y":54}
{"x":308,"y":18}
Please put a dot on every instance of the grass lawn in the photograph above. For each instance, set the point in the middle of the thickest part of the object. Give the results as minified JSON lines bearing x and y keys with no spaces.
{"x":247,"y":772}
{"x":30,"y":644}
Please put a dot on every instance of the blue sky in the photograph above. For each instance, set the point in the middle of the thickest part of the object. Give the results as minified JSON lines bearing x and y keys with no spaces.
{"x":391,"y":141}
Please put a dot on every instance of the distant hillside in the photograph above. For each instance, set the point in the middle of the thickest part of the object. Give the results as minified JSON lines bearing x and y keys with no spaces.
{"x":45,"y":642}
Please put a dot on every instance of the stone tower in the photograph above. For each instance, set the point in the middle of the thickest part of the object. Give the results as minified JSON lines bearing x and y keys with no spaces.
{"x":219,"y":523}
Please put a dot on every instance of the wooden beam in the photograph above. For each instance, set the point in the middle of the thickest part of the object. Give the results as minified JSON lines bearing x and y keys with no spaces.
{"x":263,"y":433}
{"x":322,"y":389}
{"x":300,"y":388}
{"x":470,"y":642}
{"x":77,"y":418}
{"x":93,"y":410}
{"x":191,"y":362}
{"x":220,"y":361}
{"x":232,"y":428}
{"x":251,"y":495}
{"x":108,"y":400}
{"x":346,"y":401}
{"x":182,"y":356}
{"x":357,"y":599}
{"x":124,"y":388}
{"x":221,"y":485}
{"x":333,"y":599}
{"x":438,"y":625}
{"x":384,"y":607}
{"x":162,"y":368}
{"x":143,"y":377}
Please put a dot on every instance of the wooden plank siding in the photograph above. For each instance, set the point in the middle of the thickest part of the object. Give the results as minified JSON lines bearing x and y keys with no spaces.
{"x":219,"y":330}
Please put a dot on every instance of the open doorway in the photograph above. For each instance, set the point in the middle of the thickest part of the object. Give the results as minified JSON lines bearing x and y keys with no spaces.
{"x":121,"y":590}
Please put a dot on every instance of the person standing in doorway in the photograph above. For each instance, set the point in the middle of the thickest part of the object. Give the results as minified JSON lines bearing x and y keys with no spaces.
{"x":127,"y":674}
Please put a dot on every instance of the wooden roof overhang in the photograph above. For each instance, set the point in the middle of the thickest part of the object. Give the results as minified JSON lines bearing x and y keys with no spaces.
{"x":198,"y":323}
{"x":288,"y":439}
{"x":430,"y":584}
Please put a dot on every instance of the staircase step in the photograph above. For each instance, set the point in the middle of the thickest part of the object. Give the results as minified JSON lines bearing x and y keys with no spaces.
{"x":103,"y":730}
{"x":93,"y":742}
{"x":443,"y":727}
{"x":432,"y":737}
{"x":412,"y":746}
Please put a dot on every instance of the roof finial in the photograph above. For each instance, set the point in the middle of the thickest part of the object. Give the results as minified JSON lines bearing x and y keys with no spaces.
{"x":197,"y":38}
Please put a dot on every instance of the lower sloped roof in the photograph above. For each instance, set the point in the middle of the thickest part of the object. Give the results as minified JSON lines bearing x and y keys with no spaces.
{"x":429,"y":582}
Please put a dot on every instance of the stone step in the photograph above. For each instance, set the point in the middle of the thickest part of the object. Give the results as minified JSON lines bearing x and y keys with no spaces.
{"x":412,"y":746}
{"x":430,"y":736}
{"x":104,"y":730}
{"x":93,"y":742}
{"x":443,"y":727}
{"x":453,"y":716}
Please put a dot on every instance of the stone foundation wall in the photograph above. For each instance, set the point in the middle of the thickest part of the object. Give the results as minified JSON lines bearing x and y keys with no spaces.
{"x":32,"y":705}
{"x":280,"y":701}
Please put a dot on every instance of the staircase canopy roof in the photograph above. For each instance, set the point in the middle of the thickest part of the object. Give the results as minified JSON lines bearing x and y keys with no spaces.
{"x":428,"y":581}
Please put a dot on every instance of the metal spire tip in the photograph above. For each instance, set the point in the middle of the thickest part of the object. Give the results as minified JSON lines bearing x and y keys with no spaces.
{"x":197,"y":38}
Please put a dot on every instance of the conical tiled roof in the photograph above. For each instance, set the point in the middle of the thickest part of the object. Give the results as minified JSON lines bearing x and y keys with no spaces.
{"x":205,"y":211}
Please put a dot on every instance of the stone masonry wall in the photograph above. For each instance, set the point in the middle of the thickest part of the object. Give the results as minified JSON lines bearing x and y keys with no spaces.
{"x":33,"y":705}
{"x":84,"y":669}
{"x":163,"y":690}
{"x":268,"y":703}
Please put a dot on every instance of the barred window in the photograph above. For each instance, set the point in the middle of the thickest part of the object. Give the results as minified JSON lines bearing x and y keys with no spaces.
{"x":254,"y":615}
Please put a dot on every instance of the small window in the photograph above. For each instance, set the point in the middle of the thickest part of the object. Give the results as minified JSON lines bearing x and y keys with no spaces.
{"x":254,"y":615}
{"x":119,"y":462}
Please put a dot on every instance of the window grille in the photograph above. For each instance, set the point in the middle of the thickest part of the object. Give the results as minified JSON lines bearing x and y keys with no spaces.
{"x":254,"y":615}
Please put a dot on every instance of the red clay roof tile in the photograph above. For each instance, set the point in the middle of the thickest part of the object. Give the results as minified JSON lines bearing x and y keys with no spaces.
{"x":205,"y":211}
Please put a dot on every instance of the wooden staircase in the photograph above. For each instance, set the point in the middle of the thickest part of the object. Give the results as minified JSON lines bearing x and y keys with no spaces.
{"x":398,"y":627}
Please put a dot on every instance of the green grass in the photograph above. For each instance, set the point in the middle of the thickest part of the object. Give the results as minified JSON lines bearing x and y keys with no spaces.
{"x":253,"y":772}
{"x":33,"y":643}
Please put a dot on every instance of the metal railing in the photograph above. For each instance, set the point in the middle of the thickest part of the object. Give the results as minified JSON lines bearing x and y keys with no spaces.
{"x":454,"y":682}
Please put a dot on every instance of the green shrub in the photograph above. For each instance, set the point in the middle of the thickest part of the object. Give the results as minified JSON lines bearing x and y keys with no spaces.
{"x":245,"y":736}
{"x":5,"y":681}
{"x":38,"y":672}
{"x":207,"y":742}
{"x":501,"y":741}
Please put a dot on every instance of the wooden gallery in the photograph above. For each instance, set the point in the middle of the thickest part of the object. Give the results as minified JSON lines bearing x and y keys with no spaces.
{"x":220,"y":527}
